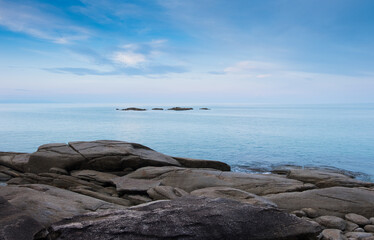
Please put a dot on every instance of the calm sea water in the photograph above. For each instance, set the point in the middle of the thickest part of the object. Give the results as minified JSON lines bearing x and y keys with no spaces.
{"x":257,"y":136}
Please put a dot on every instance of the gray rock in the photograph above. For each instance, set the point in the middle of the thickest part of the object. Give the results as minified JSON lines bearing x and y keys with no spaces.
{"x":332,"y":234}
{"x":331,"y":222}
{"x":358,"y":235}
{"x":372,"y":220}
{"x":198,"y":163}
{"x":165,"y":192}
{"x":187,"y":218}
{"x":369,"y":228}
{"x":105,"y":155}
{"x":234,"y":194}
{"x":335,"y":201}
{"x":190,"y":179}
{"x":47,"y":204}
{"x":136,"y":199}
{"x":350,"y":226}
{"x":58,"y":155}
{"x":92,"y":175}
{"x":359,"y":230}
{"x":14,"y":160}
{"x":15,"y":224}
{"x":4,"y":177}
{"x":126,"y":184}
{"x":323,"y":178}
{"x":358,"y":219}
{"x":101,"y":196}
{"x":298,"y":213}
{"x":310,"y":212}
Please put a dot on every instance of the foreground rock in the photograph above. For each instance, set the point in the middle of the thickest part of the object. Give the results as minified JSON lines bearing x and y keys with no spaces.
{"x":15,"y":224}
{"x":186,"y":218}
{"x":335,"y":201}
{"x":193,"y":179}
{"x":48,"y":204}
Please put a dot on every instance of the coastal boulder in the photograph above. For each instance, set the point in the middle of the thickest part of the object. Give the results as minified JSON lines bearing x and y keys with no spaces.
{"x":13,"y":160}
{"x":15,"y":224}
{"x":334,"y":201}
{"x":234,"y":194}
{"x":165,"y":192}
{"x":199,"y":163}
{"x":190,"y":179}
{"x":47,"y":204}
{"x":187,"y":218}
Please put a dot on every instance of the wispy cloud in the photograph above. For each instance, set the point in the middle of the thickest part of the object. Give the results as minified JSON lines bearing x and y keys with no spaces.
{"x":129,"y":59}
{"x":39,"y":20}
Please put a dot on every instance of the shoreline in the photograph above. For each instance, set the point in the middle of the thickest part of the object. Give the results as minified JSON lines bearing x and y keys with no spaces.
{"x":62,"y":187}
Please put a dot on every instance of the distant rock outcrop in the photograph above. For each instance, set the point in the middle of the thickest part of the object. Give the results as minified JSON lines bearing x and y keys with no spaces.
{"x":180,"y":108}
{"x":157,"y":109}
{"x":204,"y":108}
{"x":132,"y":109}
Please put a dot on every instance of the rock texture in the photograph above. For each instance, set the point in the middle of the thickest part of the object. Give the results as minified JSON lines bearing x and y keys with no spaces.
{"x":15,"y":224}
{"x":334,"y":201}
{"x":187,"y":218}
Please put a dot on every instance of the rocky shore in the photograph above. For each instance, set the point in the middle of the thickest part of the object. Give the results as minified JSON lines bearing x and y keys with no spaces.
{"x":120,"y":190}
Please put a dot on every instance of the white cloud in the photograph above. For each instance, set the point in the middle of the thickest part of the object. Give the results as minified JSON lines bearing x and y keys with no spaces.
{"x":251,"y":67}
{"x":129,"y":59}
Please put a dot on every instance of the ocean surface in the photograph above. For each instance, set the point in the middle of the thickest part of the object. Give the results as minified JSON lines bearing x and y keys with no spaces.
{"x":248,"y":137}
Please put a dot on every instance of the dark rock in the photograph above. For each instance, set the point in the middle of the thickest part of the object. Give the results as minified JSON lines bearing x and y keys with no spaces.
{"x":133,"y":109}
{"x":350,"y":226}
{"x":199,"y":163}
{"x":157,"y":109}
{"x":180,"y":109}
{"x":204,"y":108}
{"x":100,"y":178}
{"x":15,"y":224}
{"x":16,"y":161}
{"x":58,"y":171}
{"x":186,"y":218}
{"x":310,"y":212}
{"x":4,"y":177}
{"x":335,"y":201}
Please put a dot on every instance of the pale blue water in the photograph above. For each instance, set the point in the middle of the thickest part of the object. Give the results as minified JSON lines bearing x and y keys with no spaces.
{"x":254,"y":135}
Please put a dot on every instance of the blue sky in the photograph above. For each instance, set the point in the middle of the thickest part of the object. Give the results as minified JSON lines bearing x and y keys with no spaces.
{"x":211,"y":51}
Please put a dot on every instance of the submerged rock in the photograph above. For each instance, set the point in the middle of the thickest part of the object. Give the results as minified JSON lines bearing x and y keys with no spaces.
{"x":186,"y":218}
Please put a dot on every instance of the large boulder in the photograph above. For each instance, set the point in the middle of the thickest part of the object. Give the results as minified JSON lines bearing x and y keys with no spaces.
{"x":334,"y":201}
{"x":187,"y":218}
{"x":48,"y":204}
{"x":190,"y":179}
{"x":234,"y":194}
{"x":15,"y":224}
{"x":14,"y":160}
{"x":58,"y":155}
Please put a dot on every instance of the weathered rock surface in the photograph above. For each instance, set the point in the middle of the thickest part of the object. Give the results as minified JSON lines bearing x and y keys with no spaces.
{"x":198,"y":163}
{"x":101,"y":178}
{"x":332,"y":234}
{"x":358,"y":235}
{"x":187,"y":218}
{"x":234,"y":194}
{"x":334,"y":201}
{"x":331,"y":222}
{"x":358,"y":219}
{"x":47,"y":204}
{"x":126,"y":184}
{"x":165,"y":192}
{"x":193,"y":179}
{"x":324,"y":178}
{"x":14,"y":160}
{"x":15,"y":224}
{"x":369,"y":228}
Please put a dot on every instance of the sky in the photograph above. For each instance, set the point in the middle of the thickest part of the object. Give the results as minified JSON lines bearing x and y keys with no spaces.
{"x":210,"y":51}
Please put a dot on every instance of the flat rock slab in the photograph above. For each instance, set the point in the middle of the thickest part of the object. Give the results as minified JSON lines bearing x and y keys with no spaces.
{"x":91,"y":175}
{"x":334,"y":201}
{"x":14,"y":160}
{"x":199,"y":163}
{"x":48,"y":204}
{"x":15,"y":224}
{"x":234,"y":194}
{"x":125,"y":184}
{"x":187,"y":218}
{"x":190,"y":179}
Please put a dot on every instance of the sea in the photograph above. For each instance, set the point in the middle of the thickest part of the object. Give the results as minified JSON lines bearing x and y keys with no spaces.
{"x":249,"y":137}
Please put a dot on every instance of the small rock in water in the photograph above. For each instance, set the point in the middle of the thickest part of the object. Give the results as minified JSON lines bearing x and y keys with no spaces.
{"x":358,"y":219}
{"x":157,"y":109}
{"x":180,"y":109}
{"x":204,"y":108}
{"x":134,"y":109}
